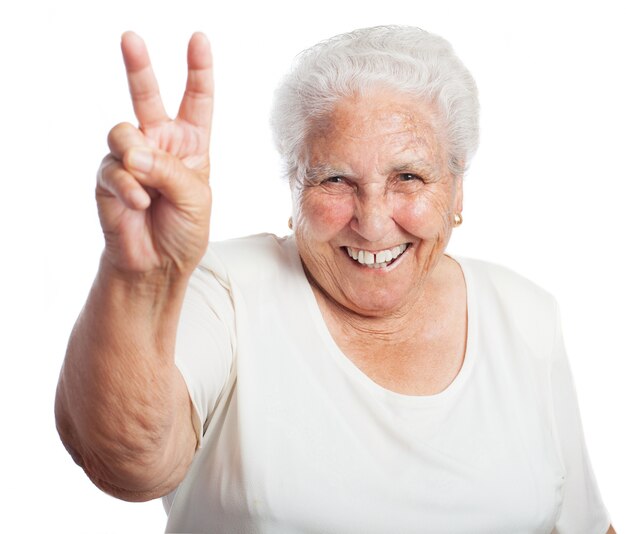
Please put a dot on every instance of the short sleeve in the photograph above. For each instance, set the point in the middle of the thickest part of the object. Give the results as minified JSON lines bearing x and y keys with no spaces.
{"x":205,"y":339}
{"x":582,"y":510}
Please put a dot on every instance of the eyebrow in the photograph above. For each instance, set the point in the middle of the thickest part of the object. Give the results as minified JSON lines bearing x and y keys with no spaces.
{"x":323,"y":171}
{"x":416,"y":166}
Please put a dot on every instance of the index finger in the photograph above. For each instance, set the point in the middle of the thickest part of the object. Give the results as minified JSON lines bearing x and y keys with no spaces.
{"x":143,"y":86}
{"x":197,"y":104}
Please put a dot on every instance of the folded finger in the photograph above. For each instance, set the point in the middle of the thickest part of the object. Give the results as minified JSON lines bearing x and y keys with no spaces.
{"x":124,"y":136}
{"x":115,"y":179}
{"x":142,"y":83}
{"x":167,"y":174}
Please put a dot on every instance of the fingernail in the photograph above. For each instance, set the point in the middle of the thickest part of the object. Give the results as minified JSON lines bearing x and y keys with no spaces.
{"x":141,"y":159}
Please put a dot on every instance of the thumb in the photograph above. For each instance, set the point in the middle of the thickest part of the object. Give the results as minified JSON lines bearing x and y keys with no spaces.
{"x":162,"y":171}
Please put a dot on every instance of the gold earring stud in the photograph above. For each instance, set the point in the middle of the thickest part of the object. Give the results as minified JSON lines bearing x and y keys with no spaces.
{"x":290,"y":223}
{"x":458,"y":219}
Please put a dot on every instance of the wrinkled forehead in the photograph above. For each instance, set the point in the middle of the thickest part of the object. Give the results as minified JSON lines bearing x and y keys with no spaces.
{"x":370,"y":121}
{"x":378,"y":112}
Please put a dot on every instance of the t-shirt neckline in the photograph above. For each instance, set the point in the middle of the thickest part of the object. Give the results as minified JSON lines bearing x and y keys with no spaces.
{"x":348,"y":367}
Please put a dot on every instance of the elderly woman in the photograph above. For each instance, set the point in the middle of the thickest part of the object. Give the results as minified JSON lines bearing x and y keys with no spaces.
{"x":351,"y":377}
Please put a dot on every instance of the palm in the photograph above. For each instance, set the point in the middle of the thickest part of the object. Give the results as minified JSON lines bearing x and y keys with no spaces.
{"x":174,"y":227}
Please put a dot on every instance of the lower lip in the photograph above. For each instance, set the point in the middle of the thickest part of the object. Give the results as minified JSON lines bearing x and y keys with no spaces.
{"x":391,"y":265}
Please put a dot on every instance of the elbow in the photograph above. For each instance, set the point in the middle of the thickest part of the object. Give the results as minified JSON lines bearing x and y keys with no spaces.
{"x":119,"y":468}
{"x":131,"y":480}
{"x":129,"y":495}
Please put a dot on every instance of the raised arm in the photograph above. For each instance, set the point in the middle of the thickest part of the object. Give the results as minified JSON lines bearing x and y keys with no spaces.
{"x":122,"y":408}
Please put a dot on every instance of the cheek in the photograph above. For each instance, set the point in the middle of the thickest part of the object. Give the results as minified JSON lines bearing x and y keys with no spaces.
{"x":426,"y":217}
{"x":325,"y":215}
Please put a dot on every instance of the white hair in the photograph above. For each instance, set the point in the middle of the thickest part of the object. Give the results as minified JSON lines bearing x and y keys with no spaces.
{"x":403,"y":58}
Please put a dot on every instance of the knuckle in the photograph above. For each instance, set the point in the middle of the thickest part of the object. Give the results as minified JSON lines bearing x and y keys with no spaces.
{"x":113,"y":177}
{"x":105,"y":165}
{"x":122,"y":136}
{"x":108,"y":160}
{"x":119,"y":129}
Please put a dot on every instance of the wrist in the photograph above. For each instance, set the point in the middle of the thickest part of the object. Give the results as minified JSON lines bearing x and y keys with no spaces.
{"x":156,"y":295}
{"x":159,"y":281}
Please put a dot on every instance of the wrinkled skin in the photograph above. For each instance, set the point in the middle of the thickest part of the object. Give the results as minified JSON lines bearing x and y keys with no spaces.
{"x":378,"y":178}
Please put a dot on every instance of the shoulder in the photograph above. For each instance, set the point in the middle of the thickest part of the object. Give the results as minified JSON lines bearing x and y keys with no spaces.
{"x":254,"y":258}
{"x":257,"y":245}
{"x":511,"y":300}
{"x":504,"y":281}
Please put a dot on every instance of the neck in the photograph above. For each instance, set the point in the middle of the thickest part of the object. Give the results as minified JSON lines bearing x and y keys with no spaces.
{"x":417,"y":349}
{"x":397,"y":325}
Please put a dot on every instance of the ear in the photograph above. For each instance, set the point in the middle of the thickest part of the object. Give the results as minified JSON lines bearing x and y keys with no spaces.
{"x":458,"y":194}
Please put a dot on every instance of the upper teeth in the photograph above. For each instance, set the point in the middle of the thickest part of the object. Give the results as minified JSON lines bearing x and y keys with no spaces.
{"x":376,"y":259}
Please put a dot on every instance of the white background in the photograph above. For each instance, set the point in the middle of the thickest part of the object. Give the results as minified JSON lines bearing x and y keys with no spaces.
{"x":544,"y":196}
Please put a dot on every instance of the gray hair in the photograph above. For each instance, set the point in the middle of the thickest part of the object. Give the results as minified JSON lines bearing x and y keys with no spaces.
{"x":402,"y":58}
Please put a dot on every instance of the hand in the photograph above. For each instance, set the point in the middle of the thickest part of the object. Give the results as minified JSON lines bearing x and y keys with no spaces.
{"x":153,"y":195}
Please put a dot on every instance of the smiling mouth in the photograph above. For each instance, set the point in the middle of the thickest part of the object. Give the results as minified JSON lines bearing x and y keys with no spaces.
{"x":376,"y":260}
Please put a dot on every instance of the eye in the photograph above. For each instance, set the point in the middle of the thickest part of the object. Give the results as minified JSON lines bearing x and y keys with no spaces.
{"x":334,"y":180}
{"x":408,"y":177}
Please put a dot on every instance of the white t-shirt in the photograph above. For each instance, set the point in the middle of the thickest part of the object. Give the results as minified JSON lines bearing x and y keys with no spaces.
{"x":300,"y":440}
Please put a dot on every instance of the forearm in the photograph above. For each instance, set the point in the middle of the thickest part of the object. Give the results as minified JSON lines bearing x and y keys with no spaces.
{"x":120,"y":399}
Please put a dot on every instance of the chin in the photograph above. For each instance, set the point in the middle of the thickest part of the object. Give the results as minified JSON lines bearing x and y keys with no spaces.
{"x":375,"y":303}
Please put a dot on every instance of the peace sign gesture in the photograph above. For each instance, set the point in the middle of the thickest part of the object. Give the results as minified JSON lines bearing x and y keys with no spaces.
{"x":154,"y":200}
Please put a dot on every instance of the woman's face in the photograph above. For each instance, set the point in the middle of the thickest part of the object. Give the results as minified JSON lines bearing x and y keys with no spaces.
{"x":374,"y":215}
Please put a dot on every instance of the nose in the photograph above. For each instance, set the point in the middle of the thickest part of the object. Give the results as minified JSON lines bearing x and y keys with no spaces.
{"x":373,"y":215}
